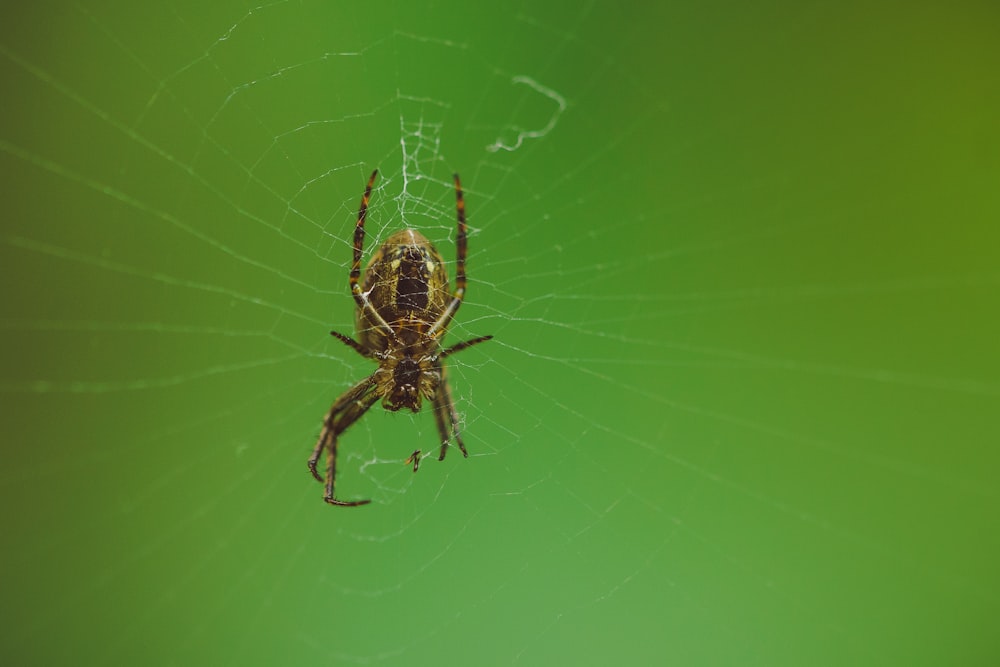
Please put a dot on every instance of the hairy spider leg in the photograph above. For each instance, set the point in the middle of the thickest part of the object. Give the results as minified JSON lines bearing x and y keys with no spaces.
{"x":462,"y":246}
{"x":351,"y":395}
{"x":447,"y":417}
{"x":353,"y":412}
{"x":458,"y":347}
{"x":359,"y":243}
{"x":461,"y":243}
{"x":347,"y":410}
{"x":350,"y":342}
{"x":441,"y":417}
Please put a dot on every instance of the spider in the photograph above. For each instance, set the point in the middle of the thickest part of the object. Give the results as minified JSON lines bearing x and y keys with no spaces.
{"x":403,"y":312}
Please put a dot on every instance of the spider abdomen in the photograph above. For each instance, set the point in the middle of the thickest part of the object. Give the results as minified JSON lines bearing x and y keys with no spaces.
{"x":407,"y":285}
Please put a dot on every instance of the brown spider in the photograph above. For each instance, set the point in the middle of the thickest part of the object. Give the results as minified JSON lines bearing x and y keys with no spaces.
{"x":403,"y":312}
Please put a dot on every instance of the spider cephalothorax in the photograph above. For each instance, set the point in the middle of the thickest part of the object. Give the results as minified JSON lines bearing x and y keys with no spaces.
{"x":403,"y":311}
{"x":403,"y":382}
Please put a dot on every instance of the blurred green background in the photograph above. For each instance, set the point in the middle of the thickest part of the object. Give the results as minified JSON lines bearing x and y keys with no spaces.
{"x":741,"y":266}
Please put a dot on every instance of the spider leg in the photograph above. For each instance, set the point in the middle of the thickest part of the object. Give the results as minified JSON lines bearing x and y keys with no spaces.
{"x":461,"y":242}
{"x":458,"y":347}
{"x":351,"y":395}
{"x":359,"y":242}
{"x":453,"y":415}
{"x":440,"y":416}
{"x":447,"y":418}
{"x":360,"y":297}
{"x":462,"y":246}
{"x":350,"y":415}
{"x":341,"y":415}
{"x":350,"y":342}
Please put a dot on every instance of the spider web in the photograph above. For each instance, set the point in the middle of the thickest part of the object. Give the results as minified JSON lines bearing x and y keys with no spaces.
{"x":741,"y":402}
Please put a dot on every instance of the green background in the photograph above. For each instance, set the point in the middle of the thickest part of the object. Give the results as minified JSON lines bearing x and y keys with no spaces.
{"x":742,"y":403}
